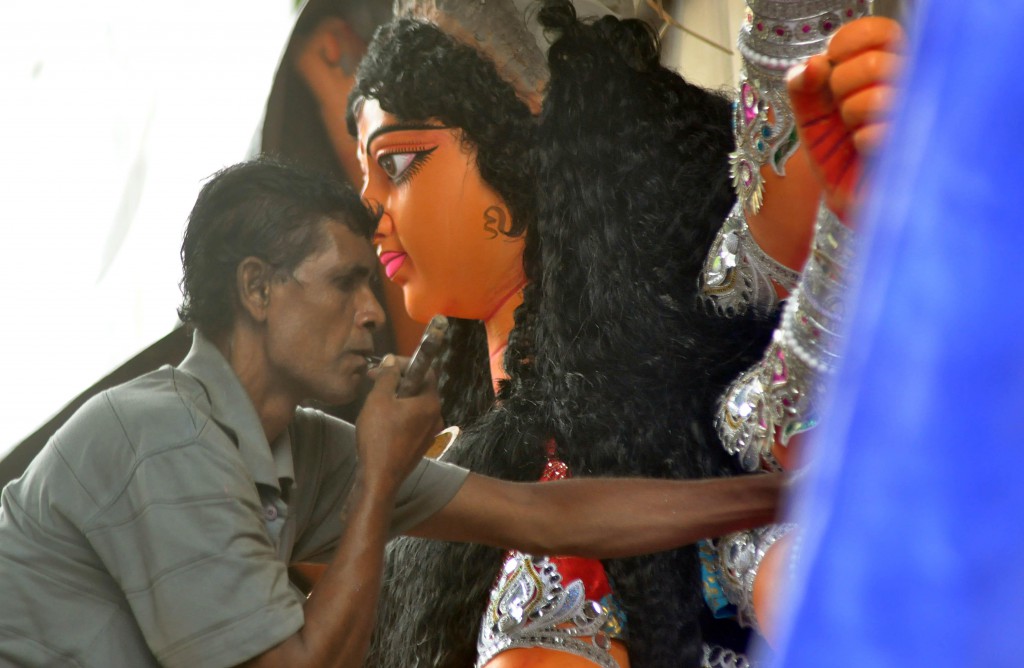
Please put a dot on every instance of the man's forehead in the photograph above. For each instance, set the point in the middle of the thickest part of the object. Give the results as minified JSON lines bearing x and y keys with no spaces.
{"x":351,"y":247}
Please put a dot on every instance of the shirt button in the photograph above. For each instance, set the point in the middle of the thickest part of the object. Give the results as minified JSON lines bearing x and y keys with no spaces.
{"x":270,"y":512}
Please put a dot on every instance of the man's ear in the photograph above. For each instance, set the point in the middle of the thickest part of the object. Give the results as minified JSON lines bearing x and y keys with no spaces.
{"x":253,"y":281}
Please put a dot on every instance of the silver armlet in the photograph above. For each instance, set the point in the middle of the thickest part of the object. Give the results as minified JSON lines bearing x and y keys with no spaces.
{"x":531,"y":607}
{"x":738,"y":274}
{"x":776,"y":397}
{"x":776,"y":35}
{"x":739,"y":556}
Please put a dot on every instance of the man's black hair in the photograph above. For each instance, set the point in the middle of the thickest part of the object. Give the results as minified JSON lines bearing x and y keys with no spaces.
{"x":261,"y":208}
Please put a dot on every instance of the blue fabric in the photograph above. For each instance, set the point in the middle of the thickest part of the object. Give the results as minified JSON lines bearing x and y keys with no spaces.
{"x":914,"y":551}
{"x":710,"y":576}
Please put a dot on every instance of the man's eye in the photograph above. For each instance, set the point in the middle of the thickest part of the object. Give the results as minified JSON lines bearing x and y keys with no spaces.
{"x":395,"y":164}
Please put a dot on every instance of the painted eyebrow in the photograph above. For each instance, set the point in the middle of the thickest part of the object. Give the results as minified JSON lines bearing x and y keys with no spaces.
{"x":397,"y":127}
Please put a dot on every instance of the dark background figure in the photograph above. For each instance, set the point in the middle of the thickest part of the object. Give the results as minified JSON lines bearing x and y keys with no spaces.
{"x":293,"y":130}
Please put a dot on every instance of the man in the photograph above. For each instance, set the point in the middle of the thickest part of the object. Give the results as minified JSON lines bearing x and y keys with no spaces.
{"x":157,"y":525}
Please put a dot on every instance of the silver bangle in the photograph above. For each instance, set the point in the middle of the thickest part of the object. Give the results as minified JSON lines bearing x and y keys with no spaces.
{"x":738,"y":274}
{"x":811,"y":325}
{"x":803,"y":338}
{"x":740,"y":555}
{"x":834,"y":245}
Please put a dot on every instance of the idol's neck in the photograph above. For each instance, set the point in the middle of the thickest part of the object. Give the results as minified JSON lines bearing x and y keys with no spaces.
{"x":499,"y":326}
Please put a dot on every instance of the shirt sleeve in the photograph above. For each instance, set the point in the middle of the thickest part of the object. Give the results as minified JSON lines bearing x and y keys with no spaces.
{"x":186,"y":542}
{"x":428,"y":489}
{"x":325,"y":459}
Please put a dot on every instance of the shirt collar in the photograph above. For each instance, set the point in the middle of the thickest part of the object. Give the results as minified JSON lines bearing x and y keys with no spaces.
{"x":231,"y":407}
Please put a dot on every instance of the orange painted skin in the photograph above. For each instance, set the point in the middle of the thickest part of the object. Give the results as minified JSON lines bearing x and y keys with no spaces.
{"x":440,"y":234}
{"x":841,"y":101}
{"x":440,"y":238}
{"x":544,"y":658}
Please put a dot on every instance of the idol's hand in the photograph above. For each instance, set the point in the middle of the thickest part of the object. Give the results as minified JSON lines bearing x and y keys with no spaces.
{"x":393,"y":433}
{"x":327,"y":61}
{"x":841,"y":100}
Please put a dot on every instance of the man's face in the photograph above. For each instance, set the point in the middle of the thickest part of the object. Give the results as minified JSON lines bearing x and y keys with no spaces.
{"x":321,"y":317}
{"x":441,"y":236}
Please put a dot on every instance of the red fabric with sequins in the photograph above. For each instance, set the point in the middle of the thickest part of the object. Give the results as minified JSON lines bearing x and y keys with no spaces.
{"x":589,"y":571}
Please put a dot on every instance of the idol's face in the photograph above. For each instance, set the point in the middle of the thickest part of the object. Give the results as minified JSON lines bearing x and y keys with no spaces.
{"x":441,"y":235}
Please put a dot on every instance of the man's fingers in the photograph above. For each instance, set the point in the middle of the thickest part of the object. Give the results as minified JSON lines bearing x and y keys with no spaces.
{"x":386,"y":376}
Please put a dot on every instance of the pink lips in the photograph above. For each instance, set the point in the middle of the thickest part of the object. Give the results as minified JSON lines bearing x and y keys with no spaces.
{"x":392,"y":261}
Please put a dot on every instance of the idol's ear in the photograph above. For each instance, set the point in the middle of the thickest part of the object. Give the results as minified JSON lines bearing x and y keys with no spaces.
{"x":253,"y":280}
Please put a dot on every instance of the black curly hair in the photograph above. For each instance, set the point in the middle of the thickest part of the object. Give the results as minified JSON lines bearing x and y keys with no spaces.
{"x":611,"y":355}
{"x":417,"y":72}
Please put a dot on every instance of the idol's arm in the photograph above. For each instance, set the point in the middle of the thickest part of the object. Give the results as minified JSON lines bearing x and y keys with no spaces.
{"x":327,"y":61}
{"x":603,"y":518}
{"x":841,"y":103}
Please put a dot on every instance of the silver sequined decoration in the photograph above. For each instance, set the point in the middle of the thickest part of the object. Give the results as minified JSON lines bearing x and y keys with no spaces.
{"x":739,"y":556}
{"x":738,"y":275}
{"x":776,"y":398}
{"x":531,"y":607}
{"x":722,"y":657}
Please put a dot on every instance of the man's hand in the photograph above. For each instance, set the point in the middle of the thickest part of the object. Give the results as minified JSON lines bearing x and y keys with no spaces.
{"x":393,"y":433}
{"x":841,"y":100}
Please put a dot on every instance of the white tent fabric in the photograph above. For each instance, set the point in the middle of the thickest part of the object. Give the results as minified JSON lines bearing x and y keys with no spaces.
{"x":112,"y":114}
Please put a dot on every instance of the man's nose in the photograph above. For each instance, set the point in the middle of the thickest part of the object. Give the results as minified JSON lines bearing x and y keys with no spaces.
{"x":370,"y":314}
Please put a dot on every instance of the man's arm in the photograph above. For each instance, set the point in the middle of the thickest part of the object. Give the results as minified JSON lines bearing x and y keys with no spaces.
{"x":340,"y":613}
{"x":603,"y":518}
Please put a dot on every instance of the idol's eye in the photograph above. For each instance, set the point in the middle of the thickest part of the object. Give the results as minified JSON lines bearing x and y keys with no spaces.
{"x":400,"y":166}
{"x":395,"y":164}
